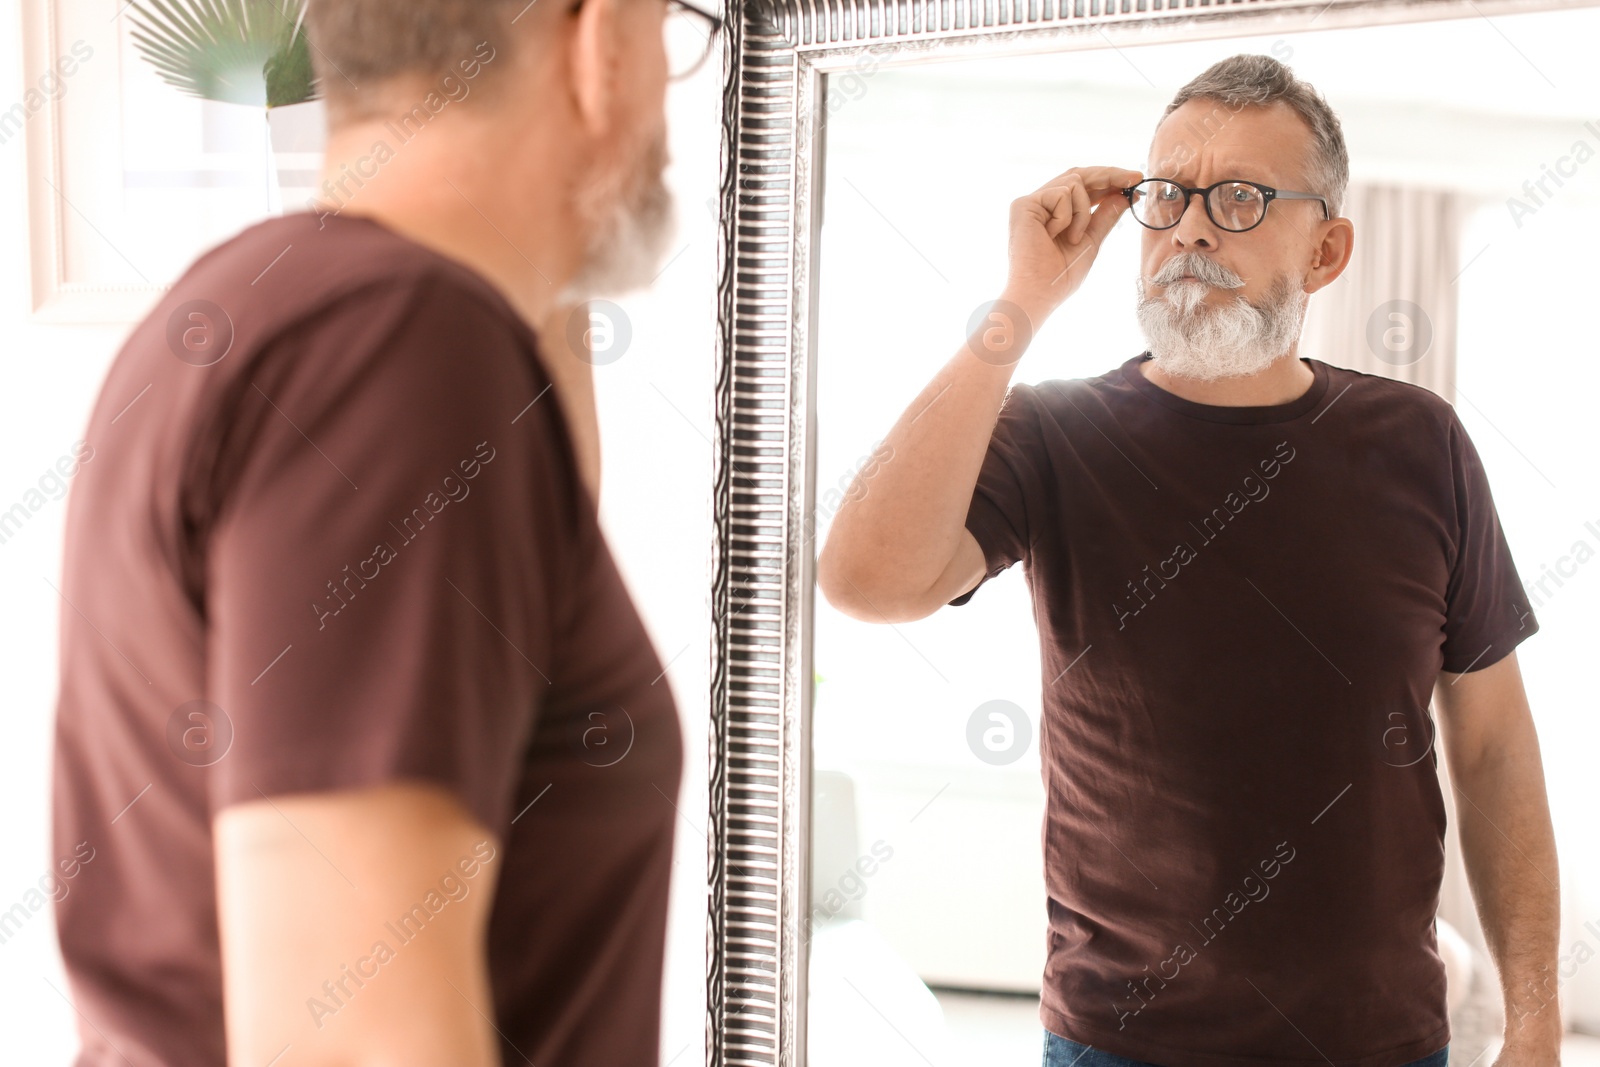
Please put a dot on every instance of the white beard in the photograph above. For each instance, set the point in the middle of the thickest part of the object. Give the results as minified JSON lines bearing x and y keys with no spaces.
{"x":625,"y":248}
{"x":1191,"y":339}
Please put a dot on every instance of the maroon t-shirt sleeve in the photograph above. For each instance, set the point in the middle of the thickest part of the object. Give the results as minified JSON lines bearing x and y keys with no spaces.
{"x":381,"y":597}
{"x":1487,"y":613}
{"x":998,"y":514}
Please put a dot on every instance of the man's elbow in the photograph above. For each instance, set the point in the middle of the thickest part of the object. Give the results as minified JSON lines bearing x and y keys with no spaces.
{"x":837,"y":585}
{"x":854,"y":592}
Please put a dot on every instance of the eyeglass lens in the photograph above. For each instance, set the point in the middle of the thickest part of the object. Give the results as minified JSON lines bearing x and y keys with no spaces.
{"x":1234,"y":205}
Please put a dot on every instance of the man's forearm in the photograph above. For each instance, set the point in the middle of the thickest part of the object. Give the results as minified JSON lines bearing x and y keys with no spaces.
{"x":901,"y":520}
{"x":1510,"y":854}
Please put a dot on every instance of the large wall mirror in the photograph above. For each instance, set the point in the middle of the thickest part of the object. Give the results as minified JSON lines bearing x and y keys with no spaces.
{"x":880,"y":810}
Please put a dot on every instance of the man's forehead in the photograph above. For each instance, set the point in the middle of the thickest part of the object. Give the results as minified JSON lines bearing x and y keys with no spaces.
{"x":1184,"y":159}
{"x":1229,"y":142}
{"x":1220,"y":166}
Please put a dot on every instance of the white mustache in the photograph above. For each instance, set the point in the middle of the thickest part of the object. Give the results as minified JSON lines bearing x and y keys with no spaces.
{"x":1208,"y":271}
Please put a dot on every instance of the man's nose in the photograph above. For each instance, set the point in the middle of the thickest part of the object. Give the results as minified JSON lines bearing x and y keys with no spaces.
{"x":1195,"y":228}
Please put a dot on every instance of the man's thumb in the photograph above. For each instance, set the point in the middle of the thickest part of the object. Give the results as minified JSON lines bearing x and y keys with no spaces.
{"x":1104,"y":217}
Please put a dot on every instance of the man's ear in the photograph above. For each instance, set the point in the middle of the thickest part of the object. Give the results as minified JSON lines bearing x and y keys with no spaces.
{"x":593,"y":51}
{"x":1331,"y":255}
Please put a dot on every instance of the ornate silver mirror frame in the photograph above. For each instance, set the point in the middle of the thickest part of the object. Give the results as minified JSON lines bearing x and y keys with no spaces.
{"x":775,"y":105}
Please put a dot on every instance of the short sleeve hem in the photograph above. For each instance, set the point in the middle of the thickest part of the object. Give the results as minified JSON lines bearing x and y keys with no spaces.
{"x":1502,"y":646}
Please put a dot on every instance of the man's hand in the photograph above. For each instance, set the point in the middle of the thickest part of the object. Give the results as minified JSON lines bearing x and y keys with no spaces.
{"x":1055,"y":235}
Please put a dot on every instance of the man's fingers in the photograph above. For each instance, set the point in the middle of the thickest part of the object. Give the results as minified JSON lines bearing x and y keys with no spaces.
{"x":1067,"y":207}
{"x":1059,"y":206}
{"x":1095,"y":178}
{"x":1098,"y":223}
{"x":1065,"y":203}
{"x":1106,"y":216}
{"x":1080,"y":211}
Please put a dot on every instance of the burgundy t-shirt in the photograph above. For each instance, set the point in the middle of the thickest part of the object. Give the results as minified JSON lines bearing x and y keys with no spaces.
{"x":334,"y":535}
{"x":1242,"y":612}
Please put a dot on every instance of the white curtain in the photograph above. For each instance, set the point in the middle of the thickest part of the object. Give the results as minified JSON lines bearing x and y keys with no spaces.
{"x":1393,"y":311}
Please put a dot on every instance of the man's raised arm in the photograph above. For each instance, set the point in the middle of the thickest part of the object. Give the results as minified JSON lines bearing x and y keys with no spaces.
{"x":898,"y":548}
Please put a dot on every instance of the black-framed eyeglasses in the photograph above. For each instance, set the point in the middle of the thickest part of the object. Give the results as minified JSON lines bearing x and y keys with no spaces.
{"x":1234,"y":205}
{"x":689,"y":33}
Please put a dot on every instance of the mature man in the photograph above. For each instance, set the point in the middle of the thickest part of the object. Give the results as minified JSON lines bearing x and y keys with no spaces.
{"x":356,"y":711}
{"x":1250,"y":571}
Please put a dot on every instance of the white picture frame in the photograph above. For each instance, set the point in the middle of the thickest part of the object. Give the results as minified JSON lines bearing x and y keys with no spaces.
{"x":128,"y":179}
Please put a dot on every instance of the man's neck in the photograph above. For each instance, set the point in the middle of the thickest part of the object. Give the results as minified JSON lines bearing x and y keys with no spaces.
{"x":1286,"y":379}
{"x":436,"y":192}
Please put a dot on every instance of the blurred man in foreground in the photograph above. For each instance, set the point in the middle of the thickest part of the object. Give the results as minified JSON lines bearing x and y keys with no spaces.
{"x":355,"y":709}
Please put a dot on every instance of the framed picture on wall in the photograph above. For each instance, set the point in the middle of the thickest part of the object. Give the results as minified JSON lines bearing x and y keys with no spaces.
{"x":129,"y":178}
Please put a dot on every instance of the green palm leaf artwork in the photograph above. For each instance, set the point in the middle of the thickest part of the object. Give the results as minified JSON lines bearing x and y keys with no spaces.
{"x":234,"y":51}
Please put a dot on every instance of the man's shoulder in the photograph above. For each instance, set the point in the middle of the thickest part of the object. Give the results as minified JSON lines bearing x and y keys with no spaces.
{"x":288,"y":270}
{"x":315,"y":320}
{"x":1391,"y":389}
{"x":1379,"y":394}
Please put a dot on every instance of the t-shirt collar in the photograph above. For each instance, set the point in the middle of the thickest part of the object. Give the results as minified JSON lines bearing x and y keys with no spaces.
{"x":1221,"y":413}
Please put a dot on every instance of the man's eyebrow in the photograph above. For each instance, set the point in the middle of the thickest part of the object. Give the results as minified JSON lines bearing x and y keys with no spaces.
{"x":1233,"y":172}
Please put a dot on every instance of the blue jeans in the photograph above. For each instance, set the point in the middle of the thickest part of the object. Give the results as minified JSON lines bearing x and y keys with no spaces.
{"x":1062,"y":1052}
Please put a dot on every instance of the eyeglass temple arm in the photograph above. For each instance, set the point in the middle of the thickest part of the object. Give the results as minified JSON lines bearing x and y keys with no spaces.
{"x":715,"y":20}
{"x":1281,"y":195}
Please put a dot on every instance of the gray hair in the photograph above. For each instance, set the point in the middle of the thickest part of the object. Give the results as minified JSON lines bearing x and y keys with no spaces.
{"x":377,"y":43}
{"x":1262,"y":80}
